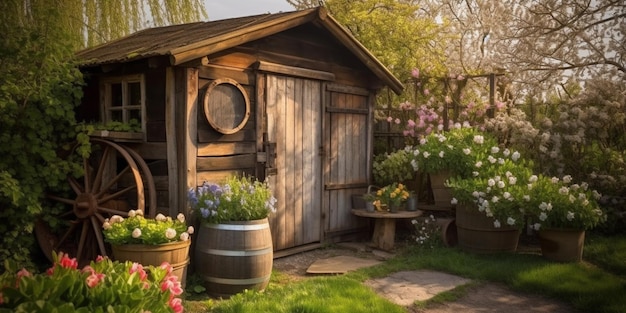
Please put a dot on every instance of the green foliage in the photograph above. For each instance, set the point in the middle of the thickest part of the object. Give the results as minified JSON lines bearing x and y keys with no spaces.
{"x":608,"y":252}
{"x":319,"y":295}
{"x":393,"y":167}
{"x":102,"y":286}
{"x":136,"y":229}
{"x":133,"y":125}
{"x":408,"y":39}
{"x":39,"y":88}
{"x":238,"y":199}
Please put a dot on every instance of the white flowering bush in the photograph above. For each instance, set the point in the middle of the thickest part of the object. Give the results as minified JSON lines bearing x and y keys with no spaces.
{"x":561,"y":203}
{"x":237,"y":199}
{"x":497,"y":189}
{"x":456,"y":150}
{"x":137,"y":229}
{"x":583,"y":135}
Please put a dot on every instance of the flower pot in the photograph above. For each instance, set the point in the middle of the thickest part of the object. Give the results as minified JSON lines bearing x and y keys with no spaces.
{"x":233,"y":256}
{"x":562,"y":245}
{"x":442,"y":195}
{"x":394,"y":208}
{"x":411,"y":203}
{"x":175,"y":253}
{"x":476,"y":233}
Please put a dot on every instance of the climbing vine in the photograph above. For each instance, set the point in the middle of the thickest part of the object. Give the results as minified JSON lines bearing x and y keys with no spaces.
{"x":39,"y":89}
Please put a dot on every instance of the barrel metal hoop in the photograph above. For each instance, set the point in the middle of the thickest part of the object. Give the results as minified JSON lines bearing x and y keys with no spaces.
{"x":237,"y":252}
{"x":243,"y":281}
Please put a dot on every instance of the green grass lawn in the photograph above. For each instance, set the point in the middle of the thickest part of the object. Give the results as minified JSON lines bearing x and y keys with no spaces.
{"x":598,"y":284}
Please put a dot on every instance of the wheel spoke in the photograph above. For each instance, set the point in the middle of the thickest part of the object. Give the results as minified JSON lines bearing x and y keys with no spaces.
{"x":112,"y":182}
{"x":101,"y":218}
{"x":116,"y":194}
{"x":103,"y":163}
{"x":67,"y":233}
{"x":113,"y":211}
{"x":62,"y":200}
{"x":83,"y":238}
{"x":86,"y":181}
{"x":98,"y":232}
{"x":75,"y":185}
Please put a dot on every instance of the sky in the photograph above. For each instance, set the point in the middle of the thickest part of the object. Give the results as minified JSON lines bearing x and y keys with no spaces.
{"x":222,"y":9}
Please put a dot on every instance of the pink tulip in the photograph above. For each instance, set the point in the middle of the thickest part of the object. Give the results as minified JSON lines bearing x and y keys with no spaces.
{"x":94,"y":279}
{"x":176,"y":304}
{"x":136,"y":267}
{"x":68,"y":263}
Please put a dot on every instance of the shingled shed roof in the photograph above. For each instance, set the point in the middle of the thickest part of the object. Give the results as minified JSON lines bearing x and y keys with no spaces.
{"x":186,"y":42}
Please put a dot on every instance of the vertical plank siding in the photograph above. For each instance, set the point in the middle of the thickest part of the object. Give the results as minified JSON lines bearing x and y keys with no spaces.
{"x":293,"y":110}
{"x":347,"y":114}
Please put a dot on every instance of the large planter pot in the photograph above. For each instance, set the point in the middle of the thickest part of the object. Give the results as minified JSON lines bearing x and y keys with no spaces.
{"x":442,"y":194}
{"x":234,"y":256}
{"x":476,"y":233}
{"x":175,"y":253}
{"x":562,"y":245}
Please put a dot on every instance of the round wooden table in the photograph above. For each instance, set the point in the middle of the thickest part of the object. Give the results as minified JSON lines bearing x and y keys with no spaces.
{"x":385,"y":225}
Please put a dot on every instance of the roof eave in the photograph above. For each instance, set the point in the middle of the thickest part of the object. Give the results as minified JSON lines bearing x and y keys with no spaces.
{"x":245,"y":34}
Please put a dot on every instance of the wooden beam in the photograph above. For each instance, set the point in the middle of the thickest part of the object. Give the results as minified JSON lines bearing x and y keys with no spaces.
{"x":347,"y":110}
{"x":170,"y":135}
{"x":203,"y":61}
{"x":232,"y":162}
{"x":188,"y":142}
{"x":294,"y":71}
{"x":227,"y":148}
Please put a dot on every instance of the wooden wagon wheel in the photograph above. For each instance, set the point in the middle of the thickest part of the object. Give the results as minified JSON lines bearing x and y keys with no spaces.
{"x":115,"y":179}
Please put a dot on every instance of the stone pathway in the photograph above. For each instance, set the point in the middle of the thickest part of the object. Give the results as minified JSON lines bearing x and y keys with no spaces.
{"x":406,"y":287}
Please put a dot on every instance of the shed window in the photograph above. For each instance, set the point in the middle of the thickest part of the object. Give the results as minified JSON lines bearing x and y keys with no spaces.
{"x":226,"y":106}
{"x":123,"y":99}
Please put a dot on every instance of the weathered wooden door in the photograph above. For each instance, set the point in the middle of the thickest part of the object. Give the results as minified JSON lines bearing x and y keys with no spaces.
{"x":348,"y":146}
{"x":294,"y":125}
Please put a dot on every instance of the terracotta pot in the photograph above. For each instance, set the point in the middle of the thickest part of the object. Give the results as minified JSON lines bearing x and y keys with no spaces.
{"x":477,"y":234}
{"x":562,"y":245}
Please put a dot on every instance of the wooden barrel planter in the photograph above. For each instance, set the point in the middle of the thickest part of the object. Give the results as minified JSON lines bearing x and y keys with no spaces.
{"x":234,"y":256}
{"x":175,"y":253}
{"x":476,"y":233}
{"x":562,"y":245}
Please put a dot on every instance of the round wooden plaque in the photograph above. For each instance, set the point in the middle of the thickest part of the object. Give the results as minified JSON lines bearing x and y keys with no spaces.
{"x":226,"y":106}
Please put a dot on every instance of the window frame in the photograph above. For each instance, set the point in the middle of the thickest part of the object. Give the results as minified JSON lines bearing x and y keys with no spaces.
{"x":106,"y":98}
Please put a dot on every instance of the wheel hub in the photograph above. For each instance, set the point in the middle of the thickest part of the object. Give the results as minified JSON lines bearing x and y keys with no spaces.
{"x":85,"y":205}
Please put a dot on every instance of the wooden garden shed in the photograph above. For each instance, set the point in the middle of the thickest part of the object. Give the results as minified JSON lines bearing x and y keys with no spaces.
{"x":286,"y":96}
